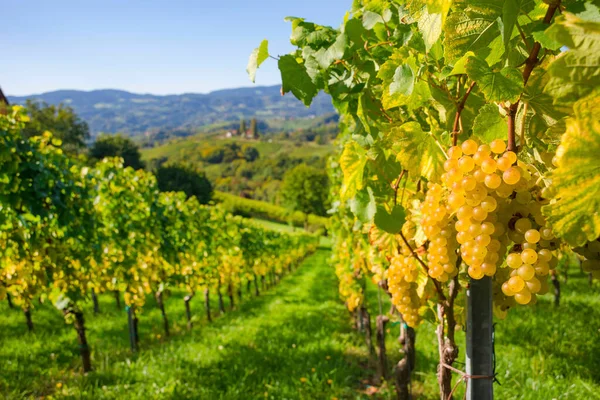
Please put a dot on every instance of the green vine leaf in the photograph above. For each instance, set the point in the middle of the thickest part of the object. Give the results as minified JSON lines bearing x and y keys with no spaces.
{"x":574,"y":213}
{"x":489,"y":124}
{"x":295,"y":78}
{"x":390,"y":222}
{"x":257,"y":57}
{"x":505,"y":85}
{"x":576,"y":72}
{"x":472,"y":28}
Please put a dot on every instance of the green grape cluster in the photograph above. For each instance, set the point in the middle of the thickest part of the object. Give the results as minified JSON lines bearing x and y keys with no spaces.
{"x":591,"y":253}
{"x":438,"y":227}
{"x":488,"y":205}
{"x":402,"y":275}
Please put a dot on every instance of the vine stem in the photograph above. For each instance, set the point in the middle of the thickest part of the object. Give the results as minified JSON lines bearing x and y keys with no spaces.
{"x":459,"y":108}
{"x":397,"y":185}
{"x":530,"y":63}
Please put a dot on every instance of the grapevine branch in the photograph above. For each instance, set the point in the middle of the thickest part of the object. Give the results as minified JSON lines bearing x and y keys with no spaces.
{"x":530,"y":63}
{"x":459,"y":108}
{"x":397,"y":185}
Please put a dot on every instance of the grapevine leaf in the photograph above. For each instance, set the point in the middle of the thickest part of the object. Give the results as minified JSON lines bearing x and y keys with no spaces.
{"x":399,"y":84}
{"x":403,"y":82}
{"x":381,"y":240}
{"x":258,"y":56}
{"x":472,"y":28}
{"x":510,"y":12}
{"x":574,"y":212}
{"x":545,"y":40}
{"x":370,"y":18}
{"x":390,"y":222}
{"x":505,"y":85}
{"x":336,"y":51}
{"x":295,"y":78}
{"x":363,"y":205}
{"x":489,"y":124}
{"x":459,"y":65}
{"x":417,"y":151}
{"x":352,"y":163}
{"x":430,"y":26}
{"x":576,"y":72}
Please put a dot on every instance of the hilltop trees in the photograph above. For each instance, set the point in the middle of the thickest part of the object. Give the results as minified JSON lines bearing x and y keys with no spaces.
{"x":306,"y":189}
{"x":61,"y":121}
{"x":253,"y":129}
{"x":117,"y":146}
{"x":182,"y":178}
{"x":242,"y":127}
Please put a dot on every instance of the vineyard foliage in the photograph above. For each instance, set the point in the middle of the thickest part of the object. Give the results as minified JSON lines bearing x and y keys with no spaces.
{"x":68,"y":229}
{"x":469,"y":147}
{"x":271,"y":212}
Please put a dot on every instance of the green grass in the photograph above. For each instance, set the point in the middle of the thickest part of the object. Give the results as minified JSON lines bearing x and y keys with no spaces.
{"x":264,"y":347}
{"x":261,"y":350}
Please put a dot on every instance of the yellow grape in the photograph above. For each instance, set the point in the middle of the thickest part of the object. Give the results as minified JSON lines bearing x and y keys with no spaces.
{"x":511,"y":175}
{"x":497,"y":146}
{"x":529,"y":256}
{"x":532,"y":236}
{"x":469,"y":147}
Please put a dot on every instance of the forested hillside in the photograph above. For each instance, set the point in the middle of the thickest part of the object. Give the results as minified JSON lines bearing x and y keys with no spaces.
{"x":114,"y":111}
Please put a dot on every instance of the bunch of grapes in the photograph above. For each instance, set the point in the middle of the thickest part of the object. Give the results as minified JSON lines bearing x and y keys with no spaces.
{"x":402,"y":275}
{"x":591,"y":252}
{"x":438,"y":227}
{"x":488,"y":202}
{"x":476,"y":193}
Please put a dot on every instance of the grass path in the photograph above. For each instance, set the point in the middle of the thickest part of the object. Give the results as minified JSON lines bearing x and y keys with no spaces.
{"x":290,"y":343}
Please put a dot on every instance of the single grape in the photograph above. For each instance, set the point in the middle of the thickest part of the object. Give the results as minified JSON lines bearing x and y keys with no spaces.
{"x":493,"y":181}
{"x":507,"y":290}
{"x":516,"y":284}
{"x":503,"y":164}
{"x":489,"y":204}
{"x":514,"y":260}
{"x":546,"y":234}
{"x":455,"y":152}
{"x":469,"y":147}
{"x":511,"y":176}
{"x":511,"y":156}
{"x":497,"y":146}
{"x":488,"y":269}
{"x":488,"y":165}
{"x":534,"y":285}
{"x":532,"y":236}
{"x":522,"y":225}
{"x":529,"y":256}
{"x":526,"y":271}
{"x":523,"y":297}
{"x":544,"y":255}
{"x":469,"y":183}
{"x":466,"y":164}
{"x":479,"y":214}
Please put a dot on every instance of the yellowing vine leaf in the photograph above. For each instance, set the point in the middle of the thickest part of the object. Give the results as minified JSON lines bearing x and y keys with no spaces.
{"x":417,"y":151}
{"x":257,"y":57}
{"x":575,"y":211}
{"x":352,"y":163}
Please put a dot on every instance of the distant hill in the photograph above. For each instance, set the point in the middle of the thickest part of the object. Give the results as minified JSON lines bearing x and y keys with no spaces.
{"x":114,"y":111}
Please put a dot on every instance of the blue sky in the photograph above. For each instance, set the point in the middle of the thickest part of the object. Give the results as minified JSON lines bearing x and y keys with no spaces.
{"x":151,"y":46}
